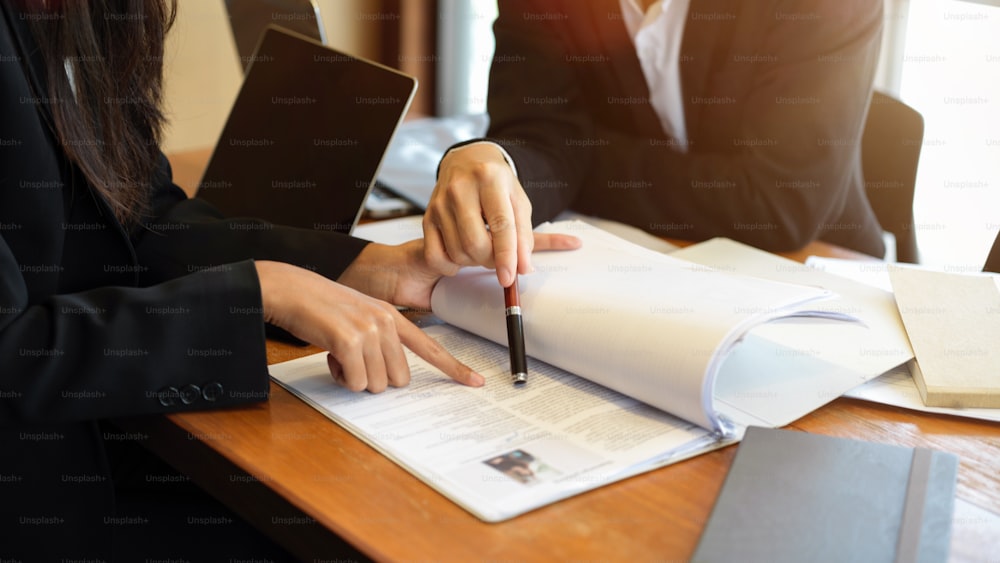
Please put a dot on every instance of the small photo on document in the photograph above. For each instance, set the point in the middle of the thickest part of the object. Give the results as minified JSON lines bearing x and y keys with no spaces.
{"x":522,"y":467}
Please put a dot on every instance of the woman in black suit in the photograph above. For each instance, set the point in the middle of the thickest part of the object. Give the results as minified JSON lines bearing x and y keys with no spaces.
{"x":119,"y":296}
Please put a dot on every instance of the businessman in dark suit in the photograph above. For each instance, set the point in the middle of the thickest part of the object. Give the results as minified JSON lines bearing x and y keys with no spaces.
{"x":686,"y":118}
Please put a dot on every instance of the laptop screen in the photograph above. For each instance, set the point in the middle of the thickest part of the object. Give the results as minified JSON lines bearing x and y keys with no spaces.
{"x":249,"y":18}
{"x":306,"y":135}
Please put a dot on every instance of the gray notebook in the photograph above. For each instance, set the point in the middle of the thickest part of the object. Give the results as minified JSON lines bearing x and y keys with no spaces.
{"x":793,"y":496}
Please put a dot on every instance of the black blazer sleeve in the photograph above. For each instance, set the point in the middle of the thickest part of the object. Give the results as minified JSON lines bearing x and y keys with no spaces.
{"x":192,"y":342}
{"x":184,"y":235}
{"x":193,"y":337}
{"x":537,"y":108}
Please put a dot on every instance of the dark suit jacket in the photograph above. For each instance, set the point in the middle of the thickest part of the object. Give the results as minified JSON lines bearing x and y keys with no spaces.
{"x":775,"y":95}
{"x":97,"y":321}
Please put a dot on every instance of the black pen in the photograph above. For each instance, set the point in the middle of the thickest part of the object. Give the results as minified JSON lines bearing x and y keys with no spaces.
{"x":515,"y":334}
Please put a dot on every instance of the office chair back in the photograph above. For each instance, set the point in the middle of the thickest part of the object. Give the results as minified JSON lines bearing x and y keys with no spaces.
{"x":993,"y":259}
{"x":890,"y":152}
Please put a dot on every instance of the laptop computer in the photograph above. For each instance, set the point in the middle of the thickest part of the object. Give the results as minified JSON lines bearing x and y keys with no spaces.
{"x":249,"y":18}
{"x":306,"y":136}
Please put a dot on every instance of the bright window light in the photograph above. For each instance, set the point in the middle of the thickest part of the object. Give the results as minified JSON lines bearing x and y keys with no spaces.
{"x":951,"y":75}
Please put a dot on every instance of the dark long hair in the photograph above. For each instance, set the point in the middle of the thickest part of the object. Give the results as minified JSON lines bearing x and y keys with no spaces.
{"x":104,"y":66}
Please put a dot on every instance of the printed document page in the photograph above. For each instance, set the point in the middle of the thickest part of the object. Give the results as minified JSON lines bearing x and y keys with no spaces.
{"x":501,"y":450}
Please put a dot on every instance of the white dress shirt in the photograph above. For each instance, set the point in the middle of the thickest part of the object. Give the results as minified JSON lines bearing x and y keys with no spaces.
{"x":657,"y":38}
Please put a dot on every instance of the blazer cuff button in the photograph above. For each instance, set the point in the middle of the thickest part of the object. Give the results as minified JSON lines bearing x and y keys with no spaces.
{"x":212,"y":391}
{"x":168,"y":396}
{"x":190,"y":394}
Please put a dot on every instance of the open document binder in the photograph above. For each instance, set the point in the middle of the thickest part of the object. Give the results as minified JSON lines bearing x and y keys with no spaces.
{"x":638,"y":360}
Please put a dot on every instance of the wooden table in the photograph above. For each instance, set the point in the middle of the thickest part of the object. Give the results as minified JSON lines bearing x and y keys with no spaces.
{"x":323,"y":493}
